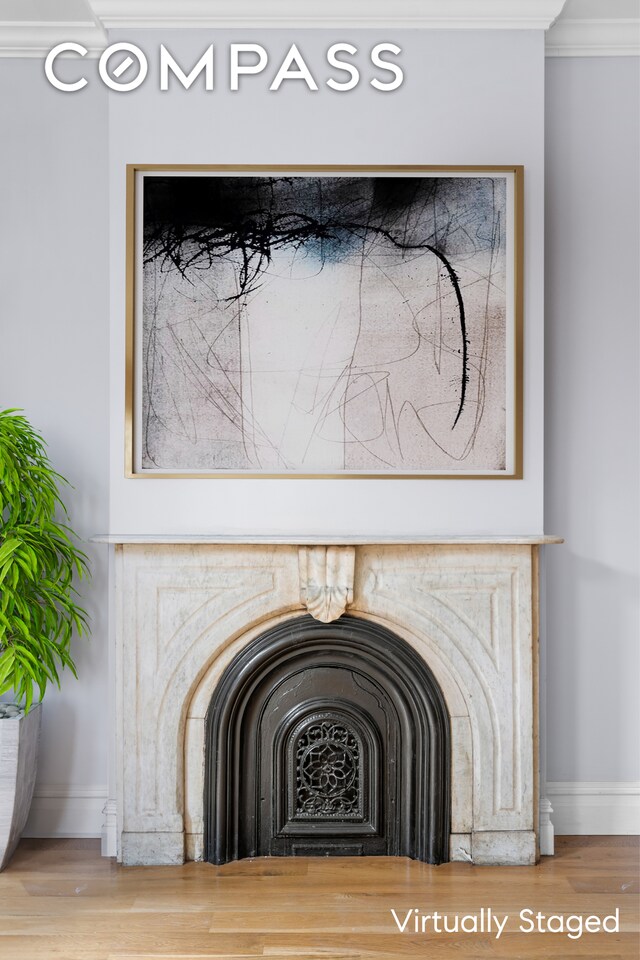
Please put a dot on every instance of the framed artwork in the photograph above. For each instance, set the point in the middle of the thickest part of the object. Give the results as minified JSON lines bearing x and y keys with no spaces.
{"x":324,"y":322}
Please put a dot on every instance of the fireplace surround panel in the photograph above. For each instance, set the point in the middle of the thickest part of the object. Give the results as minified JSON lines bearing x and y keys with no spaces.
{"x":186,"y":610}
{"x":327,"y":739}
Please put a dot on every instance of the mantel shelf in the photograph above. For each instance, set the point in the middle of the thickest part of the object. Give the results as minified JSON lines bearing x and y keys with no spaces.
{"x":326,"y":540}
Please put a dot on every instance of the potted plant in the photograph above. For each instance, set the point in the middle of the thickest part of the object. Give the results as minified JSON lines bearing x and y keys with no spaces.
{"x":38,"y":609}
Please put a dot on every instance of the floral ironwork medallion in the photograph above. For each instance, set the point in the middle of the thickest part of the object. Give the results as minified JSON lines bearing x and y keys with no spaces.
{"x":328,"y":758}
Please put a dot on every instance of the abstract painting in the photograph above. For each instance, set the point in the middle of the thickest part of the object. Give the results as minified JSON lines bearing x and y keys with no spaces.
{"x":325,"y":322}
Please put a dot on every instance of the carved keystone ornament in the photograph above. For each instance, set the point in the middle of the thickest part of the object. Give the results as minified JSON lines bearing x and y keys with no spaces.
{"x":326,"y":580}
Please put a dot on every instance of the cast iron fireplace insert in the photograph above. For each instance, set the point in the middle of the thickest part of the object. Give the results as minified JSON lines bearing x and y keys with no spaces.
{"x":327,"y":740}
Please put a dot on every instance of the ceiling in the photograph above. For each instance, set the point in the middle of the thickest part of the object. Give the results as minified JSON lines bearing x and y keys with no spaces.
{"x":574,"y":27}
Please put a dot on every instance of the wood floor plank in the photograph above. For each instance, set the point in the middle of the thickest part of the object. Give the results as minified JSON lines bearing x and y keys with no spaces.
{"x":59,"y":900}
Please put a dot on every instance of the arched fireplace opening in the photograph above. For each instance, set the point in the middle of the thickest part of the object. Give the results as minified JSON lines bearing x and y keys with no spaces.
{"x":327,"y":739}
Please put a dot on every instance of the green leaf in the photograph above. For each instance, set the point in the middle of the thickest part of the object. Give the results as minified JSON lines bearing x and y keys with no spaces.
{"x":8,"y":548}
{"x":39,"y":559}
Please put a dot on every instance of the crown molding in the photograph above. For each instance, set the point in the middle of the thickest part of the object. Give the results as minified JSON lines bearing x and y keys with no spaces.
{"x":35,"y":39}
{"x":566,"y":36}
{"x":594,"y":38}
{"x":331,"y":14}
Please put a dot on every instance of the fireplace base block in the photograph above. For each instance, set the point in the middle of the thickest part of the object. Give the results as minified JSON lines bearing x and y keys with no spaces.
{"x":504,"y":847}
{"x":153,"y":849}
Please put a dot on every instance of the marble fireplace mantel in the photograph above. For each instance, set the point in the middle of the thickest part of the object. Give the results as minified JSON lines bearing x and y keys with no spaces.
{"x":186,"y":605}
{"x":321,"y":539}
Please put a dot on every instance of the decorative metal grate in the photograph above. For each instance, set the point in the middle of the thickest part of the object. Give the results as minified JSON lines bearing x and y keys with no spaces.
{"x":328,"y":760}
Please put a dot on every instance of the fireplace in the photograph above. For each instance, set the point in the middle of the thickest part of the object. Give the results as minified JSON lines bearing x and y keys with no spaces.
{"x":359,"y":697}
{"x":327,"y":739}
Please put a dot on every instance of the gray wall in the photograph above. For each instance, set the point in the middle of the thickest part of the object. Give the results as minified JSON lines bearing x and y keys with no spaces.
{"x":592,"y":491}
{"x":55,"y":175}
{"x":54,"y":287}
{"x":454,"y":107}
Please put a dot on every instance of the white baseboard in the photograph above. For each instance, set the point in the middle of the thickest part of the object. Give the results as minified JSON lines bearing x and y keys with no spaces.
{"x":109,"y":837}
{"x":546,"y":835}
{"x":597,"y":808}
{"x":578,"y":808}
{"x":58,"y":811}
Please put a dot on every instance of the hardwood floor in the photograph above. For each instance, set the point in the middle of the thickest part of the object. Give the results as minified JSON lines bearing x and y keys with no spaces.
{"x":60,"y":900}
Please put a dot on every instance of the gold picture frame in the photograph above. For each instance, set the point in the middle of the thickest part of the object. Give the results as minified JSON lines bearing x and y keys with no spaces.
{"x":483,"y":238}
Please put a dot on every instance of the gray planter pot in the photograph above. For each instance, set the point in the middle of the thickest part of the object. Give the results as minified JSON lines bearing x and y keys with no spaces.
{"x":19,"y":738}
